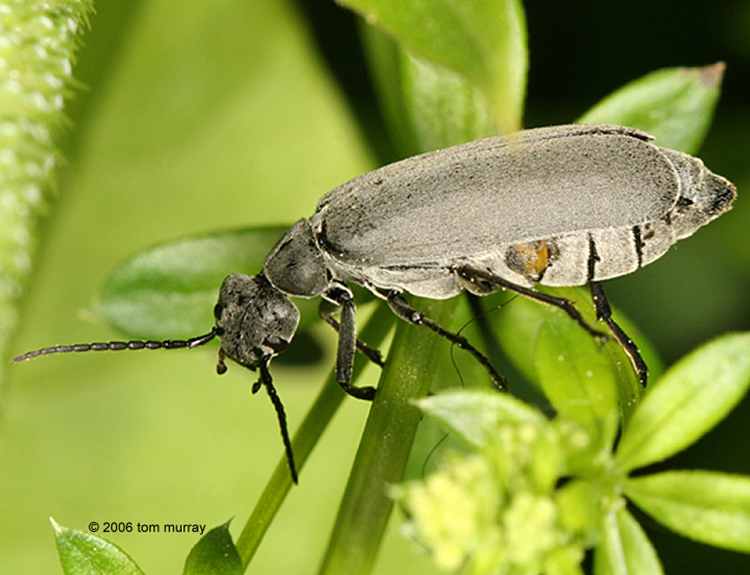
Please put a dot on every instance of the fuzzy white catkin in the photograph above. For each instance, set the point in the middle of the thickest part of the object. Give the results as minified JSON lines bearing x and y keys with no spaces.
{"x":38,"y":41}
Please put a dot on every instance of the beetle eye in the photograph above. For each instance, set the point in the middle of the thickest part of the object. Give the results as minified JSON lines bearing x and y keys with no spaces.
{"x":218,"y":308}
{"x":275,"y":343}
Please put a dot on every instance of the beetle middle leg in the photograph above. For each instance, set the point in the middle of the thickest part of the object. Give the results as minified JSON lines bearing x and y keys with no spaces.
{"x":341,"y":296}
{"x":402,"y":309}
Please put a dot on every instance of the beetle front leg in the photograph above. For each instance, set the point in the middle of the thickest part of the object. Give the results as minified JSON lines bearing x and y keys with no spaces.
{"x":347,"y":328}
{"x":402,"y":309}
{"x":604,"y":313}
{"x":326,"y":310}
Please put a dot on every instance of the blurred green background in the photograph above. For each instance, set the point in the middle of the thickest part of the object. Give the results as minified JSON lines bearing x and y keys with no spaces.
{"x":199,"y":116}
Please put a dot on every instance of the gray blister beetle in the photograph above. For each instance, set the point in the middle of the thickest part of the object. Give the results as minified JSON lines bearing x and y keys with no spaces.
{"x":559,"y":206}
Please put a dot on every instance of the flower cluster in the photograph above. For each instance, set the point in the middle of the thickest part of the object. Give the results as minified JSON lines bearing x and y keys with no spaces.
{"x":535,"y":494}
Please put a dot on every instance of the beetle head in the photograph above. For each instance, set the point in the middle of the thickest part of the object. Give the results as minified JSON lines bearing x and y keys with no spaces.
{"x":254,"y":320}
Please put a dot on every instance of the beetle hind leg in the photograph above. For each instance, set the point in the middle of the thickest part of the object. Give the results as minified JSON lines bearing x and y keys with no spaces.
{"x":488,"y":280}
{"x":604,"y":313}
{"x":467,"y":275}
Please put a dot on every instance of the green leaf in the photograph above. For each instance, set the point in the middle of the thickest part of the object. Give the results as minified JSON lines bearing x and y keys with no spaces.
{"x":624,"y":548}
{"x":674,"y":105}
{"x":85,"y":554}
{"x":475,"y":415}
{"x":710,"y":507}
{"x":577,"y":378}
{"x":427,"y":106}
{"x":687,"y":402}
{"x":214,"y":554}
{"x":485,"y":42}
{"x":579,"y":502}
{"x":169,"y":290}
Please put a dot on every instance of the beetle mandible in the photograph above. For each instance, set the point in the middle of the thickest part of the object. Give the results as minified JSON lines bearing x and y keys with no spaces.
{"x":559,"y":206}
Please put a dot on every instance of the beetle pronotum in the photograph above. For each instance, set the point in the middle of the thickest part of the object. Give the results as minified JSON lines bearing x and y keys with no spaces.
{"x":560,"y":206}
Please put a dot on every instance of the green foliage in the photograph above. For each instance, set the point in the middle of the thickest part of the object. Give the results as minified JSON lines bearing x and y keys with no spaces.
{"x":169,"y":290}
{"x":674,"y":105}
{"x":705,"y":506}
{"x":483,"y":43}
{"x":693,"y":397}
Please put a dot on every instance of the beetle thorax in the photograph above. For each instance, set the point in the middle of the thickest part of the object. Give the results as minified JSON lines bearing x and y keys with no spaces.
{"x":296,"y":265}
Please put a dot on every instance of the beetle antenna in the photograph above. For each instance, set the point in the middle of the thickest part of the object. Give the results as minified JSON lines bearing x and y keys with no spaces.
{"x":267,"y":382}
{"x":432,"y":453}
{"x":120,"y":345}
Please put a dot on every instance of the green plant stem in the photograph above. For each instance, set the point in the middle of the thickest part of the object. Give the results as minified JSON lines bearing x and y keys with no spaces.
{"x":312,"y":428}
{"x":386,"y":444}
